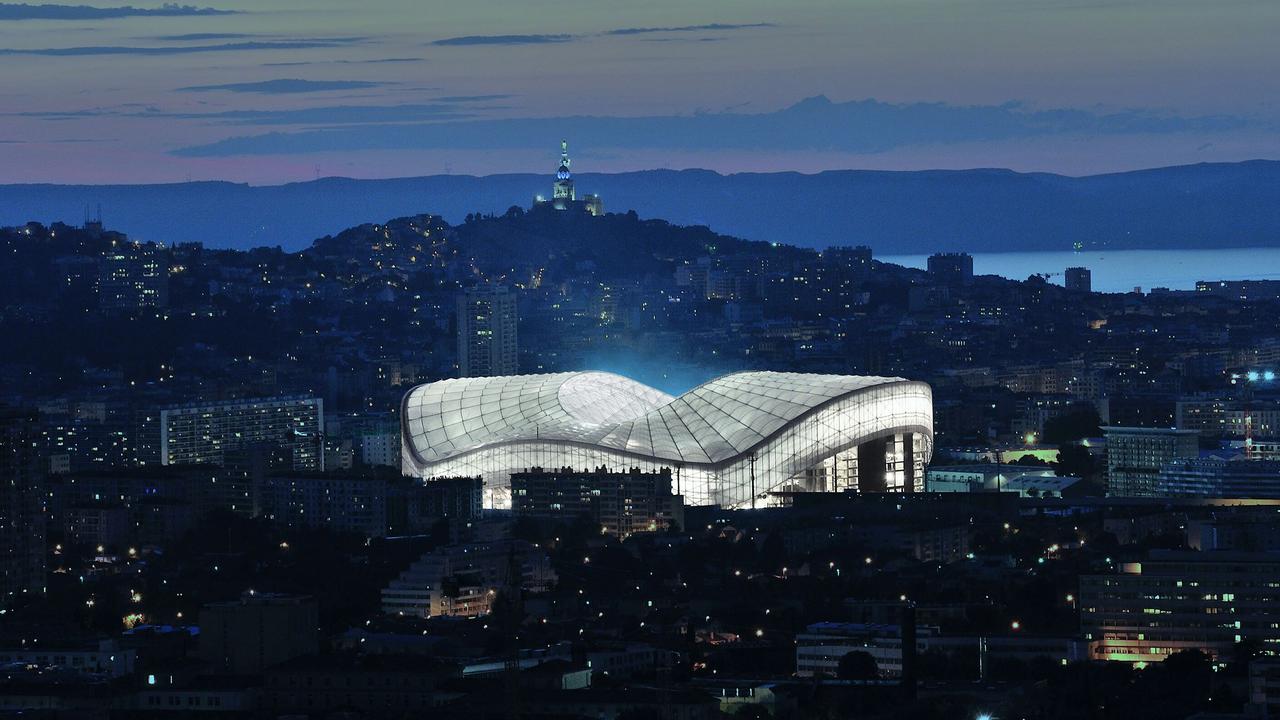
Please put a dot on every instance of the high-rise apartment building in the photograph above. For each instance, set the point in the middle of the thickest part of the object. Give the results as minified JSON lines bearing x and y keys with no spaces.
{"x":487,"y":332}
{"x":1079,"y":279}
{"x":22,"y":508}
{"x":132,"y":277}
{"x":951,"y":268}
{"x":289,"y":431}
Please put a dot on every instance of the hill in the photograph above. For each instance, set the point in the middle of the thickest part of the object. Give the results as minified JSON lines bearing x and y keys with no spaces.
{"x":1207,"y":205}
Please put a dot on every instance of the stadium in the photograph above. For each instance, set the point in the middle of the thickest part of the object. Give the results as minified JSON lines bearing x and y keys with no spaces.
{"x":732,"y":441}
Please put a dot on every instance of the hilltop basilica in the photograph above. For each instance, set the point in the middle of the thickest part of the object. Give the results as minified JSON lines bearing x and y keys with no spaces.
{"x":563,"y":196}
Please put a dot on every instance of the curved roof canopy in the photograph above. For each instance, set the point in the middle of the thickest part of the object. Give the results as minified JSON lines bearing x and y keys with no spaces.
{"x":714,"y":423}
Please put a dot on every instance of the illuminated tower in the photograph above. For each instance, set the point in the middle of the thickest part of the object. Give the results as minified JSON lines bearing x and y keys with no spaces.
{"x":562,"y":190}
{"x":563,"y":195}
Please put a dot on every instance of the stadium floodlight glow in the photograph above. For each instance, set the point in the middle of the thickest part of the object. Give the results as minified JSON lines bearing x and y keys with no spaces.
{"x":726,"y":441}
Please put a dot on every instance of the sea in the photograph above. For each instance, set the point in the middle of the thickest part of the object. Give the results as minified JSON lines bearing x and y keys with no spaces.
{"x":1125,"y":270}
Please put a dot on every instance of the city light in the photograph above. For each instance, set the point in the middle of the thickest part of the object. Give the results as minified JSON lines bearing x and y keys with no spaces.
{"x":383,"y":317}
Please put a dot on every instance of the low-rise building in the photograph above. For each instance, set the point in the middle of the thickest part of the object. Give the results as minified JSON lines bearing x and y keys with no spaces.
{"x":105,"y":658}
{"x":821,"y":646}
{"x":1027,"y":481}
{"x":375,"y":685}
{"x":464,"y":580}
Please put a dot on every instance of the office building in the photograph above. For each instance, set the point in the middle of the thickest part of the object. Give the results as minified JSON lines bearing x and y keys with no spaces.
{"x":287,"y":431}
{"x":22,"y":509}
{"x":464,"y":580}
{"x":951,"y":268}
{"x":620,"y":502}
{"x":1079,"y":279}
{"x":1220,"y":478}
{"x":487,"y":332}
{"x":728,"y":442}
{"x":1182,"y":600}
{"x":1135,"y":456}
{"x":248,"y":635}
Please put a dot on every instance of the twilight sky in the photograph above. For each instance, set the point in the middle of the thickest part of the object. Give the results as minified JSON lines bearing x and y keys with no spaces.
{"x":268,"y":91}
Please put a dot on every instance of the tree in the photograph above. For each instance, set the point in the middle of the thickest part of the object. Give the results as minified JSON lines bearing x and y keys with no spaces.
{"x":1079,"y":421}
{"x":1030,"y":461}
{"x":1075,"y":461}
{"x":857,"y":665}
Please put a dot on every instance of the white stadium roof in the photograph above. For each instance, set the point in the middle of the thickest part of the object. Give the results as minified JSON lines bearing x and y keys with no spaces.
{"x":619,"y":420}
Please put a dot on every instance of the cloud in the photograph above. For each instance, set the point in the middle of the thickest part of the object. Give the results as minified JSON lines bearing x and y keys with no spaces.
{"x":683,"y":39}
{"x":175,"y":50}
{"x":60,"y":141}
{"x":23,"y":11}
{"x":286,"y":86}
{"x":471,"y":98}
{"x":562,"y":38}
{"x":326,"y":115}
{"x":339,"y":115}
{"x":191,"y":37}
{"x":504,"y":40}
{"x":688,"y":28}
{"x":815,"y":124}
{"x":375,"y":61}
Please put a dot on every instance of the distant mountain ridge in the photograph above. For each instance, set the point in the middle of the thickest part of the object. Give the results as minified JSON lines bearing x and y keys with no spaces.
{"x":981,"y":210}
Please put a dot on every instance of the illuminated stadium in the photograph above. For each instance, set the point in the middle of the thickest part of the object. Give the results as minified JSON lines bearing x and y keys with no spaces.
{"x":731,"y":441}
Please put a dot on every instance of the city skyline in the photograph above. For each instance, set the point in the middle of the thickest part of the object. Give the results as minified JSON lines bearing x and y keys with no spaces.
{"x":285,"y":90}
{"x":678,"y":360}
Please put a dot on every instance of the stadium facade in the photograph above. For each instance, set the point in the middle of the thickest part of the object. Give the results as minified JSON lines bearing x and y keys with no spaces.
{"x":730,"y":441}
